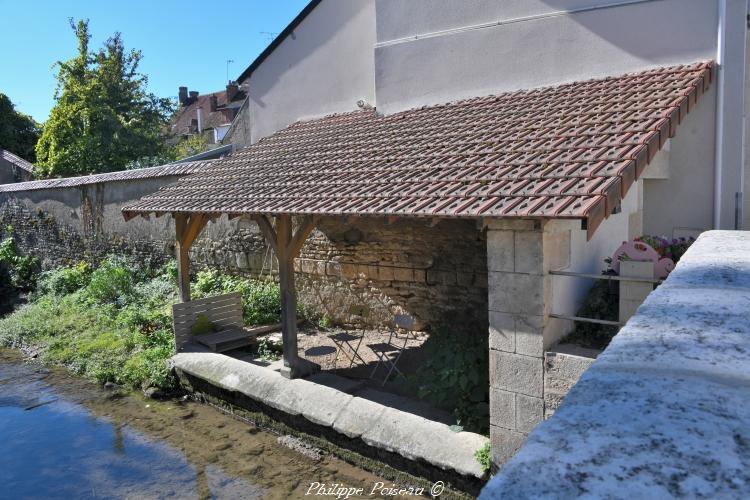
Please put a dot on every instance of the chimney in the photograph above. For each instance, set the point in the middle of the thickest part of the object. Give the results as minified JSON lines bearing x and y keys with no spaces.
{"x":199,"y":113}
{"x":232,"y":90}
{"x":193,"y":97}
{"x":183,"y":96}
{"x":213,"y":102}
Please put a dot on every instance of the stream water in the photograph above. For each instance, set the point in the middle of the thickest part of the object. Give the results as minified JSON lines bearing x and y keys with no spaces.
{"x":64,"y":437}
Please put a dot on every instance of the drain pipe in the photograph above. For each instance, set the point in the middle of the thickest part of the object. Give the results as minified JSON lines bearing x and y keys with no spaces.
{"x":719,"y":140}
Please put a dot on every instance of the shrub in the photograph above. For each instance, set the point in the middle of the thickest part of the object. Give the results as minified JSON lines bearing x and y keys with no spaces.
{"x":602,"y":302}
{"x":484,"y":457}
{"x":112,"y":281}
{"x":64,"y":280}
{"x":21,"y":269}
{"x":261,"y":300}
{"x":455,"y":377}
{"x":112,"y":324}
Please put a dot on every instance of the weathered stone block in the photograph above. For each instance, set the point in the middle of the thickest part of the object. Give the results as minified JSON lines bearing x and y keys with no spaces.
{"x":502,"y":408}
{"x":333,"y":269}
{"x":529,"y":412}
{"x":385,"y":273}
{"x":505,"y":443}
{"x":307,"y":266}
{"x":516,"y":373}
{"x":516,"y":293}
{"x":500,"y":251}
{"x":529,"y":252}
{"x":464,"y":279}
{"x":556,"y":250}
{"x":529,"y":335}
{"x":349,"y":270}
{"x":419,"y":276}
{"x":514,"y":224}
{"x":502,"y":332}
{"x":403,"y":274}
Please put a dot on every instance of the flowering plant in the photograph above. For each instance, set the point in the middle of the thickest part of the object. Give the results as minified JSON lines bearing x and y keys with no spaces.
{"x":673,"y":249}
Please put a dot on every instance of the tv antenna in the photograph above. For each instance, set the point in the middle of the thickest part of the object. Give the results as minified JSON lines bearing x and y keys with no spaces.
{"x":269,"y":35}
{"x":229,"y":61}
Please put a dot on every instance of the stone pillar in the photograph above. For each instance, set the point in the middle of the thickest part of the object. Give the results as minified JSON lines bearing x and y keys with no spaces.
{"x":519,"y":255}
{"x":633,"y":293}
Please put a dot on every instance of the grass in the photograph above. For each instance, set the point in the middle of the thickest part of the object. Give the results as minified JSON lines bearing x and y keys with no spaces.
{"x":112,"y":323}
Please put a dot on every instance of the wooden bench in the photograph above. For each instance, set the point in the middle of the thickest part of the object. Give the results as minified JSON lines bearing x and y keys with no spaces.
{"x":224,"y":311}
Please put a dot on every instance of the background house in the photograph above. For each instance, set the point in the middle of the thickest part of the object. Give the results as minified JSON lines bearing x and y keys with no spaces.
{"x":208,"y":115}
{"x":14,"y":168}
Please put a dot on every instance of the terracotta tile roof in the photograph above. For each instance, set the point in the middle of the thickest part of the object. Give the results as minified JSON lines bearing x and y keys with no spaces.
{"x":569,"y":151}
{"x":182,"y":123}
{"x":170,"y":169}
{"x":16,"y":160}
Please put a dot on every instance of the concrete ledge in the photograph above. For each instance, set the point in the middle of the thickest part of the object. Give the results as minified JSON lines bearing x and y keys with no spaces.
{"x":379,"y":426}
{"x":663,"y":411}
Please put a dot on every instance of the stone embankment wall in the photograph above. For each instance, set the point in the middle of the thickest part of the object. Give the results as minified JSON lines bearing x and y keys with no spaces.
{"x":438,"y":273}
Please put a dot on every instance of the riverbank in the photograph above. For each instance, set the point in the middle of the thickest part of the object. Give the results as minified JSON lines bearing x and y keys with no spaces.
{"x":65,"y":436}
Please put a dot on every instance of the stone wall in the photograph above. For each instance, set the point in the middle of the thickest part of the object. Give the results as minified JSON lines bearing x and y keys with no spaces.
{"x":563,"y":366}
{"x":437,"y":273}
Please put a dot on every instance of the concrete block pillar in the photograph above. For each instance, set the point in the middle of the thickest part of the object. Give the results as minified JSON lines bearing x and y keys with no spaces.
{"x":633,"y":293}
{"x":519,"y":255}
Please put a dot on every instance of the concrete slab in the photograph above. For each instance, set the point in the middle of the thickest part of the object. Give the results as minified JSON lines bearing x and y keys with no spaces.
{"x":417,"y":438}
{"x":325,"y":401}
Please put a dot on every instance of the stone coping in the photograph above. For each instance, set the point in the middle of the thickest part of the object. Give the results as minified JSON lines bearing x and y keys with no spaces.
{"x":663,"y":411}
{"x":379,"y":426}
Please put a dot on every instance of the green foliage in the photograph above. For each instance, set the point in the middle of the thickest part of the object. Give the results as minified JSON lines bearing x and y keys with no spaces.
{"x":18,"y":132}
{"x":261,"y":300}
{"x":104,"y":329}
{"x":602,"y":302}
{"x":190,"y":146}
{"x":267,"y":351}
{"x":455,"y":377}
{"x":21,"y":270}
{"x":64,"y":280}
{"x":112,"y":281}
{"x":202,"y":325}
{"x":103,"y":118}
{"x":325,"y":321}
{"x":484,"y":457}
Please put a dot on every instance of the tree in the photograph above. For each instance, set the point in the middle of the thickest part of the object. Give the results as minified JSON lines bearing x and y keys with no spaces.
{"x":103,"y":118}
{"x":18,"y":132}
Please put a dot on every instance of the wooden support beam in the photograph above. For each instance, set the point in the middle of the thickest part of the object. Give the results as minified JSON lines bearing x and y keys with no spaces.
{"x":266,"y":227}
{"x":303,"y":231}
{"x":187,"y":229}
{"x":287,"y":244}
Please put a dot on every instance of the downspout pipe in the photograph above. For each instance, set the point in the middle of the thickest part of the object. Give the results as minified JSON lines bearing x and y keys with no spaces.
{"x":719,"y":140}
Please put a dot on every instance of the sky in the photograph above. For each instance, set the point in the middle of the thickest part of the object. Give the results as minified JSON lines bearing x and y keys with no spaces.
{"x":183,"y":42}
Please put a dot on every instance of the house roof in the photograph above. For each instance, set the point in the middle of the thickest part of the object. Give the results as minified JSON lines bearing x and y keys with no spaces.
{"x":278,"y":40}
{"x":170,"y":169}
{"x":568,"y":151}
{"x":16,"y":160}
{"x":223,"y":115}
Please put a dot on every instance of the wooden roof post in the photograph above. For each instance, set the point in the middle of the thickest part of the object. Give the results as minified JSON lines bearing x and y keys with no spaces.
{"x":187,"y":228}
{"x":287,"y":245}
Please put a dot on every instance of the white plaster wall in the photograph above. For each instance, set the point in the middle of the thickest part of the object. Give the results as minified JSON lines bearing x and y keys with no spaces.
{"x":683,"y":203}
{"x":324,"y":67}
{"x":568,"y":293}
{"x":532,"y":44}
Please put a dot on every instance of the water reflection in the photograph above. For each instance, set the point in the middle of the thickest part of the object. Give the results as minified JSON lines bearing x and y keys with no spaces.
{"x":62,"y":438}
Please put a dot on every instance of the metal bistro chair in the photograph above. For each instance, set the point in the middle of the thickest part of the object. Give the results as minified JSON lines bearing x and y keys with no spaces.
{"x":390,"y":352}
{"x":348,"y":343}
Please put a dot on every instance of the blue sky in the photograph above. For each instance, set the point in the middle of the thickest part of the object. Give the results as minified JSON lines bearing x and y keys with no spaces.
{"x":183,"y":43}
